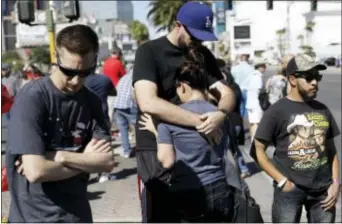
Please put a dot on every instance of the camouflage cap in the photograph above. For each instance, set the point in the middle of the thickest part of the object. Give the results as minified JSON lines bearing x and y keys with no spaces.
{"x":302,"y":63}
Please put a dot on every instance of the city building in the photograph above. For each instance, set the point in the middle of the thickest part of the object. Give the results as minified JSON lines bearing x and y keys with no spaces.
{"x":253,"y":28}
{"x":8,"y":31}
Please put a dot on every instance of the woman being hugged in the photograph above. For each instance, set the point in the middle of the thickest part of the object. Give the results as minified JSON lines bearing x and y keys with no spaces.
{"x":197,"y":181}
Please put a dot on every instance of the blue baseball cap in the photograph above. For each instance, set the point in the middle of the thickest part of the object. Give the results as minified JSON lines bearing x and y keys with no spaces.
{"x":198,"y":20}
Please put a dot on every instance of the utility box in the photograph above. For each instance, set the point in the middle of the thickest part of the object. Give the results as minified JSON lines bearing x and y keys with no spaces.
{"x":25,"y":11}
{"x":71,"y":9}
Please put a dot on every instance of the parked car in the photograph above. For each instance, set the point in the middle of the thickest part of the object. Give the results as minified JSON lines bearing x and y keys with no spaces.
{"x":331,"y":61}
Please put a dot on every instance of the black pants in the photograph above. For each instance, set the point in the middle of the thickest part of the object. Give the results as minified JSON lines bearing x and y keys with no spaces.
{"x":211,"y":203}
{"x":156,"y":198}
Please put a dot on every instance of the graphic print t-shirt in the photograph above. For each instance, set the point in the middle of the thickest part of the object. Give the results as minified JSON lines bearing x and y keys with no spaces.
{"x":300,"y":131}
{"x":44,"y":119}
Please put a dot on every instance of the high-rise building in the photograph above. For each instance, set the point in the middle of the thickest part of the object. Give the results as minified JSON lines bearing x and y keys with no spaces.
{"x":8,"y":28}
{"x":108,"y":10}
{"x":125,"y":11}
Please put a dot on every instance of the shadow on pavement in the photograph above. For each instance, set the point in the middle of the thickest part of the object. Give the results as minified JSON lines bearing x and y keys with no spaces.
{"x":95,"y":195}
{"x":124,"y":173}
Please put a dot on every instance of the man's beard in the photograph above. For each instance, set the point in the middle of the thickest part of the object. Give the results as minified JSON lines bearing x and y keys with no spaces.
{"x":306,"y":95}
{"x":182,"y":44}
{"x":283,"y":71}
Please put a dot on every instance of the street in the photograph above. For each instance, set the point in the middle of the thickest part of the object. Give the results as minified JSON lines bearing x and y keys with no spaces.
{"x":118,"y":200}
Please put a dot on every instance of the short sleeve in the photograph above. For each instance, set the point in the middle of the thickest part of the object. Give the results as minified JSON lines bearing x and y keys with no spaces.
{"x":333,"y":130}
{"x":267,"y":126}
{"x":109,"y":85}
{"x":145,"y":66}
{"x":25,"y":128}
{"x":211,"y":65}
{"x":101,"y":128}
{"x":164,"y":134}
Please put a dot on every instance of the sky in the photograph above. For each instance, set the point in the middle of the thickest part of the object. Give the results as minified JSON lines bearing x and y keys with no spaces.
{"x":140,"y":13}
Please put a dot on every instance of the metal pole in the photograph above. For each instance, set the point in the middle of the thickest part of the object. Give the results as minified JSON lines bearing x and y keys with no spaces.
{"x":51,"y":31}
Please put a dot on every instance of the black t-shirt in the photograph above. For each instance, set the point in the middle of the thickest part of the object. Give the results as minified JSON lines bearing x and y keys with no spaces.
{"x":45,"y":119}
{"x":299,"y":132}
{"x":157,"y":61}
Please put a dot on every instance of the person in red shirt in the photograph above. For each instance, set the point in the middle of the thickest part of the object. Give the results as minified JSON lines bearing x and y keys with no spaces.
{"x":6,"y":100}
{"x":113,"y":67}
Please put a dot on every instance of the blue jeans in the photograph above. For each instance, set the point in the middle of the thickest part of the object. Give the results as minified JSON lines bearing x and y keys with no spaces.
{"x":241,"y":161}
{"x":124,"y":117}
{"x":243,"y":110}
{"x":211,"y":203}
{"x":8,"y":116}
{"x":287,"y":207}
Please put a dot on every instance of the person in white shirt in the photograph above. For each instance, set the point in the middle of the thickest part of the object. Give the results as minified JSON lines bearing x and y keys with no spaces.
{"x":253,"y":87}
{"x":241,"y":73}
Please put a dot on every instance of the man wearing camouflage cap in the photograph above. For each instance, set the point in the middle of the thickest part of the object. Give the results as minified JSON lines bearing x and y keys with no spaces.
{"x":306,"y":171}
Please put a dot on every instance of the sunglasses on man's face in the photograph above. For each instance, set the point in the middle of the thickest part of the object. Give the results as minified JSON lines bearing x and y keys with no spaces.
{"x":76,"y":72}
{"x":310,"y":76}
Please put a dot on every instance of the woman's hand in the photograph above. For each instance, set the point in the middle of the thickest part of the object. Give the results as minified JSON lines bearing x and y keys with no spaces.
{"x":147,"y":123}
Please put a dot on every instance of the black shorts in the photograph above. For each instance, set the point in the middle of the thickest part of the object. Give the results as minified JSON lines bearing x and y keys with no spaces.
{"x":157,"y":205}
{"x":149,"y":168}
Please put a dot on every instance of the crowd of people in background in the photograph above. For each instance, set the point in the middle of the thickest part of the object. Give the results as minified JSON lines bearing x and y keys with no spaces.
{"x":187,"y":110}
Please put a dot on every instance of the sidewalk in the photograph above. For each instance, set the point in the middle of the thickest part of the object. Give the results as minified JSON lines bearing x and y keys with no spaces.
{"x":112,"y":201}
{"x":118,"y":200}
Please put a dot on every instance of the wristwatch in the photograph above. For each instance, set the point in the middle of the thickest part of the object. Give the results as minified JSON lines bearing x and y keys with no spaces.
{"x":282,"y":183}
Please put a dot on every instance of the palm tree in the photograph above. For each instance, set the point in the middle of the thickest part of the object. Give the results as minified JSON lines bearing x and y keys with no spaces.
{"x":309,"y":28}
{"x":300,"y":37}
{"x":139,"y":31}
{"x":163,"y":13}
{"x":281,"y":33}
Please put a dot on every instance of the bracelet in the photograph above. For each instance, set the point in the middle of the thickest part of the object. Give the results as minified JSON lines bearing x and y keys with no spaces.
{"x":282,"y":182}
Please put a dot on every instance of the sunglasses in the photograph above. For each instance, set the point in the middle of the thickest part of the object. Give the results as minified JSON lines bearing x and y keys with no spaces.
{"x":309,"y":76}
{"x":75,"y":72}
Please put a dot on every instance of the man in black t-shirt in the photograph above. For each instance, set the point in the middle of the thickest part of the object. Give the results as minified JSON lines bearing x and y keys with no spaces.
{"x":58,"y":135}
{"x":306,"y":166}
{"x":156,"y":63}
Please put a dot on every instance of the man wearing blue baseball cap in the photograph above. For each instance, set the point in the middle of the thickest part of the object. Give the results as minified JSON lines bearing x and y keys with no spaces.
{"x":155,"y":67}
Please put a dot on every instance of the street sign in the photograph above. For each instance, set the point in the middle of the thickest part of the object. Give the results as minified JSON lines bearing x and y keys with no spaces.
{"x":242,"y":32}
{"x":221,"y":16}
{"x":33,"y":36}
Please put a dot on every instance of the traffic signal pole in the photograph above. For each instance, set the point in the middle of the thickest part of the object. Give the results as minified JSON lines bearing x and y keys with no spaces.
{"x":51,"y":31}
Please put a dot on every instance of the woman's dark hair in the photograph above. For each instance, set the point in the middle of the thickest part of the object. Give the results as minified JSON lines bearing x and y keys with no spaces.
{"x":192,"y":71}
{"x":221,"y":63}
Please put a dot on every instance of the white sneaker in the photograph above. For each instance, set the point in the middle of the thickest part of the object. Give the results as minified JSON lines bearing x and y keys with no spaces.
{"x":103,"y":178}
{"x":126,"y":155}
